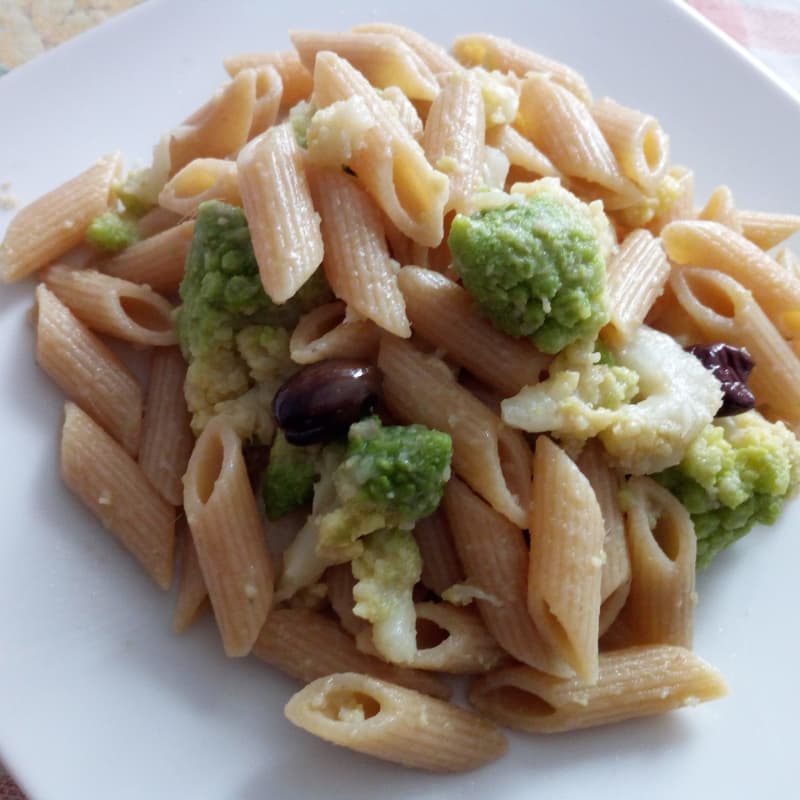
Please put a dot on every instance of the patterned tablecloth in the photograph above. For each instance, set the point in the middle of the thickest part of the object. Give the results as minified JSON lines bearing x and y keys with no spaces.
{"x":769,"y":29}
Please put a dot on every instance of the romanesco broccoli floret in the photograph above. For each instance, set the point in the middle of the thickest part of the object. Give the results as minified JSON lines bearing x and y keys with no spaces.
{"x":535,"y":266}
{"x":736,"y":473}
{"x":288,"y":481}
{"x":112,"y":232}
{"x":391,"y":476}
{"x":386,"y":571}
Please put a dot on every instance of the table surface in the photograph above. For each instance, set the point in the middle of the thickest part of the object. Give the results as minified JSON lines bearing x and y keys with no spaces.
{"x":769,"y":29}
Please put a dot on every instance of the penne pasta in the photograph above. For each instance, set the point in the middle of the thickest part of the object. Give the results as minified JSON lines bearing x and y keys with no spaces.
{"x":332,"y":331}
{"x":192,"y":599}
{"x":200,"y":180}
{"x":267,"y":105}
{"x":296,"y":80}
{"x":520,"y":152}
{"x":284,"y":227}
{"x":492,"y":458}
{"x":123,"y":309}
{"x":87,"y":371}
{"x":56,"y":222}
{"x":721,"y":208}
{"x":307,"y":645}
{"x":111,"y":485}
{"x":632,"y":682}
{"x":565,"y":564}
{"x":766,"y":229}
{"x":405,"y":110}
{"x":386,"y":721}
{"x":441,"y":567}
{"x":229,"y":536}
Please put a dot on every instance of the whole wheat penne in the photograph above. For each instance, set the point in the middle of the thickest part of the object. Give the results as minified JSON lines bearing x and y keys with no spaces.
{"x":87,"y":371}
{"x":767,"y":228}
{"x":155,"y":221}
{"x":520,"y":152}
{"x":267,"y":105}
{"x":109,"y":482}
{"x":495,"y":560}
{"x":217,"y":129}
{"x":57,"y":221}
{"x":714,"y":246}
{"x":192,"y":597}
{"x":158,"y":261}
{"x":637,"y":140}
{"x":663,"y":548}
{"x":438,"y":60}
{"x":492,"y":458}
{"x":494,"y":52}
{"x":565,"y":565}
{"x":441,"y":567}
{"x":615,"y":583}
{"x":563,"y":128}
{"x":636,"y":275}
{"x":229,"y":536}
{"x":126,"y":310}
{"x":307,"y":645}
{"x":382,"y":58}
{"x":295,"y":78}
{"x":720,"y":207}
{"x":167,"y":439}
{"x":387,"y":159}
{"x":725,"y":311}
{"x":632,"y":682}
{"x":395,"y":724}
{"x":357,"y":262}
{"x":340,"y":582}
{"x":330,"y":331}
{"x":284,"y":227}
{"x":200,"y":180}
{"x":443,"y":313}
{"x":454,"y":137}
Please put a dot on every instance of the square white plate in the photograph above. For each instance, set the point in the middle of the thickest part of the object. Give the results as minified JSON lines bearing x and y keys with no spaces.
{"x":99,"y":700}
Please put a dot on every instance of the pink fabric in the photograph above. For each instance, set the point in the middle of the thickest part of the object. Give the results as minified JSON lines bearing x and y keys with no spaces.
{"x":770,"y":30}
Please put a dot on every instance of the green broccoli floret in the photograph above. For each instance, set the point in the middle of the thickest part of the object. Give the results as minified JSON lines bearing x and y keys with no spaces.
{"x":737,"y":473}
{"x":288,"y":481}
{"x":386,"y":572}
{"x":390,"y":477}
{"x":535,"y":267}
{"x":111,"y":231}
{"x":233,"y":336}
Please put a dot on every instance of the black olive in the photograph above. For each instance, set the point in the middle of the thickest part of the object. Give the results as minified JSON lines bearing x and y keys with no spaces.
{"x":322,"y":400}
{"x":731,"y":366}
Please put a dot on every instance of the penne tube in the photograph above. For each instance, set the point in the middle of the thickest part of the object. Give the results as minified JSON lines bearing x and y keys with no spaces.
{"x":382,"y":58}
{"x":200,"y":180}
{"x":340,"y":582}
{"x":111,"y":485}
{"x":307,"y":645}
{"x":632,"y":682}
{"x":721,"y":208}
{"x":437,"y":59}
{"x":615,"y":582}
{"x":454,"y":137}
{"x":155,"y":221}
{"x":55,"y":223}
{"x":87,"y":371}
{"x":357,"y":262}
{"x":159,"y":262}
{"x":715,"y":247}
{"x":217,"y":129}
{"x":267,"y":105}
{"x":496,"y":53}
{"x":789,"y":261}
{"x":295,"y":78}
{"x":388,"y":160}
{"x":331,"y":331}
{"x":229,"y":536}
{"x":636,"y":275}
{"x":284,"y":227}
{"x":192,"y":598}
{"x":395,"y":724}
{"x":663,"y":549}
{"x":637,"y":141}
{"x":767,"y":229}
{"x":125,"y":310}
{"x":443,"y":313}
{"x":725,"y":311}
{"x":492,"y":458}
{"x":563,"y":128}
{"x":167,"y":439}
{"x":565,"y":564}
{"x":441,"y":567}
{"x":495,"y":560}
{"x":519,"y":151}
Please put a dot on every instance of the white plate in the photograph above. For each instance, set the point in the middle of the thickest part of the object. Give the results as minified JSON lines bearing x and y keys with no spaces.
{"x":98,"y":700}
